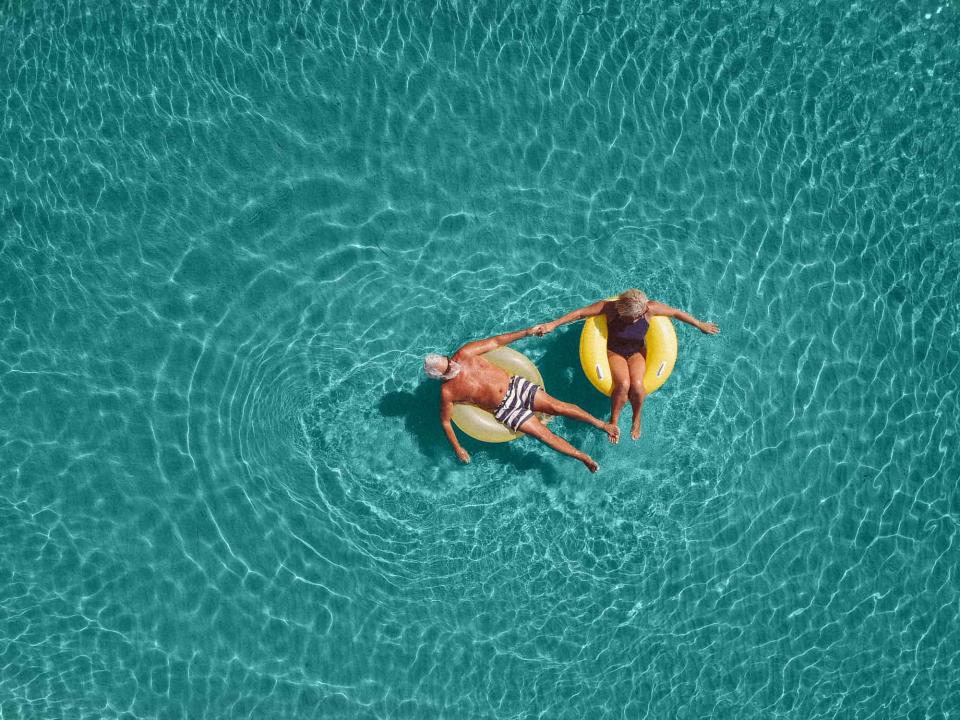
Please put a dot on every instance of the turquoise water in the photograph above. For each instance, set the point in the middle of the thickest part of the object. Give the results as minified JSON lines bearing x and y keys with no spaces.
{"x":230,"y":231}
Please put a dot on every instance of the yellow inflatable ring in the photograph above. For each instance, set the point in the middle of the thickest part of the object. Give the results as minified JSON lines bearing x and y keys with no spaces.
{"x":661,"y":344}
{"x":480,"y":424}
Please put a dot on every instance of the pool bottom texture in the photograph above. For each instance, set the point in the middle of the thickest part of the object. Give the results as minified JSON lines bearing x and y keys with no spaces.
{"x":229,"y":234}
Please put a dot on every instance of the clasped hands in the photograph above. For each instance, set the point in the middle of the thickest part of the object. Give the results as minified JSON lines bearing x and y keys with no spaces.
{"x":541,"y":329}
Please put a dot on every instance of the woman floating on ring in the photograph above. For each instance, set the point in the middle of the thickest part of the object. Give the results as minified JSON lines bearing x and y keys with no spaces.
{"x":628,"y":318}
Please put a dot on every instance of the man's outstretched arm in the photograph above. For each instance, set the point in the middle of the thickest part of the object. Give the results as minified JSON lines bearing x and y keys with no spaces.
{"x":446,"y":408}
{"x":479,"y":347}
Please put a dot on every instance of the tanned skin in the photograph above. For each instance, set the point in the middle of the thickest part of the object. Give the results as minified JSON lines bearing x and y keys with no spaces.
{"x":626,"y":373}
{"x":483,"y":384}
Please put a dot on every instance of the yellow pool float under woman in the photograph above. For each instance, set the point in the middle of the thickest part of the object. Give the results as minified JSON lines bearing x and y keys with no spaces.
{"x":621,"y":328}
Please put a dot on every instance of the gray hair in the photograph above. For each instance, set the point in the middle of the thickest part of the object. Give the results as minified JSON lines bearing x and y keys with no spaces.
{"x":632,"y":303}
{"x":434,"y":365}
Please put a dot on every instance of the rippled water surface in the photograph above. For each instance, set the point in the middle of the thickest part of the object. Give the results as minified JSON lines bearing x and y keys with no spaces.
{"x":230,"y":231}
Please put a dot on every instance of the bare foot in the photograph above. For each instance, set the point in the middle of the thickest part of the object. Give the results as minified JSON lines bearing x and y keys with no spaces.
{"x":613,"y":432}
{"x":591,"y":464}
{"x":635,"y":431}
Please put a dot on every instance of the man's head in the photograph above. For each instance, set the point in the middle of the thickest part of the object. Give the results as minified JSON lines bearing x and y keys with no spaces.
{"x":440,"y":367}
{"x":632,"y":304}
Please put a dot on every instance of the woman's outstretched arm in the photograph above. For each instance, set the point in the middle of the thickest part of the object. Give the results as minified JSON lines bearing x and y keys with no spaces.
{"x":659,"y":308}
{"x":584,"y":312}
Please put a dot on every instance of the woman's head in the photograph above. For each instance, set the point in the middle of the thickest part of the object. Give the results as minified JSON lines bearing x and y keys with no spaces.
{"x":632,"y":304}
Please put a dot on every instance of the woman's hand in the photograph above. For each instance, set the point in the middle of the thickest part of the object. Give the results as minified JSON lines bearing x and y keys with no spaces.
{"x":708,"y":328}
{"x":541,"y":329}
{"x":463,"y":455}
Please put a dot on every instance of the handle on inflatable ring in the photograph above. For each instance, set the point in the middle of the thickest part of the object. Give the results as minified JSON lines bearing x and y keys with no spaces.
{"x":480,"y":424}
{"x":661,"y":341}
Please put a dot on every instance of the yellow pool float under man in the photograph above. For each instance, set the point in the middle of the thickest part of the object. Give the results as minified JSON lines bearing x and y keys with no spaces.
{"x":469,"y":378}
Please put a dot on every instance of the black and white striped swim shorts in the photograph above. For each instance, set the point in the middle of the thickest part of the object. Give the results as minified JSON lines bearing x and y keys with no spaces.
{"x":517,"y":405}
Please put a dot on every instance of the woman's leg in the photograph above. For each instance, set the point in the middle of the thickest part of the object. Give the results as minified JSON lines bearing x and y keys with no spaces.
{"x":620,"y":372}
{"x":638,"y":366}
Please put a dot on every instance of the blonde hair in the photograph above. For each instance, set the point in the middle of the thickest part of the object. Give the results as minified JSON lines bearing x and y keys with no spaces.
{"x":632,"y":303}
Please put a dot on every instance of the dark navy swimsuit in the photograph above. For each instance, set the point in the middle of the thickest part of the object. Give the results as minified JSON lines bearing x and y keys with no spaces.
{"x":626,"y":338}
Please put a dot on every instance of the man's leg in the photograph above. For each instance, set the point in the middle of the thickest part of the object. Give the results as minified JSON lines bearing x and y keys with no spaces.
{"x":542,"y":402}
{"x":533,"y":427}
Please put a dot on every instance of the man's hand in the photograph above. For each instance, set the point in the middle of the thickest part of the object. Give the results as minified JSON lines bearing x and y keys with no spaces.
{"x":541,"y":329}
{"x":709,"y":328}
{"x":463,"y":455}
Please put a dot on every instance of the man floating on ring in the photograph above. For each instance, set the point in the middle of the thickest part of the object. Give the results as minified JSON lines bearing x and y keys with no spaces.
{"x":469,"y":378}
